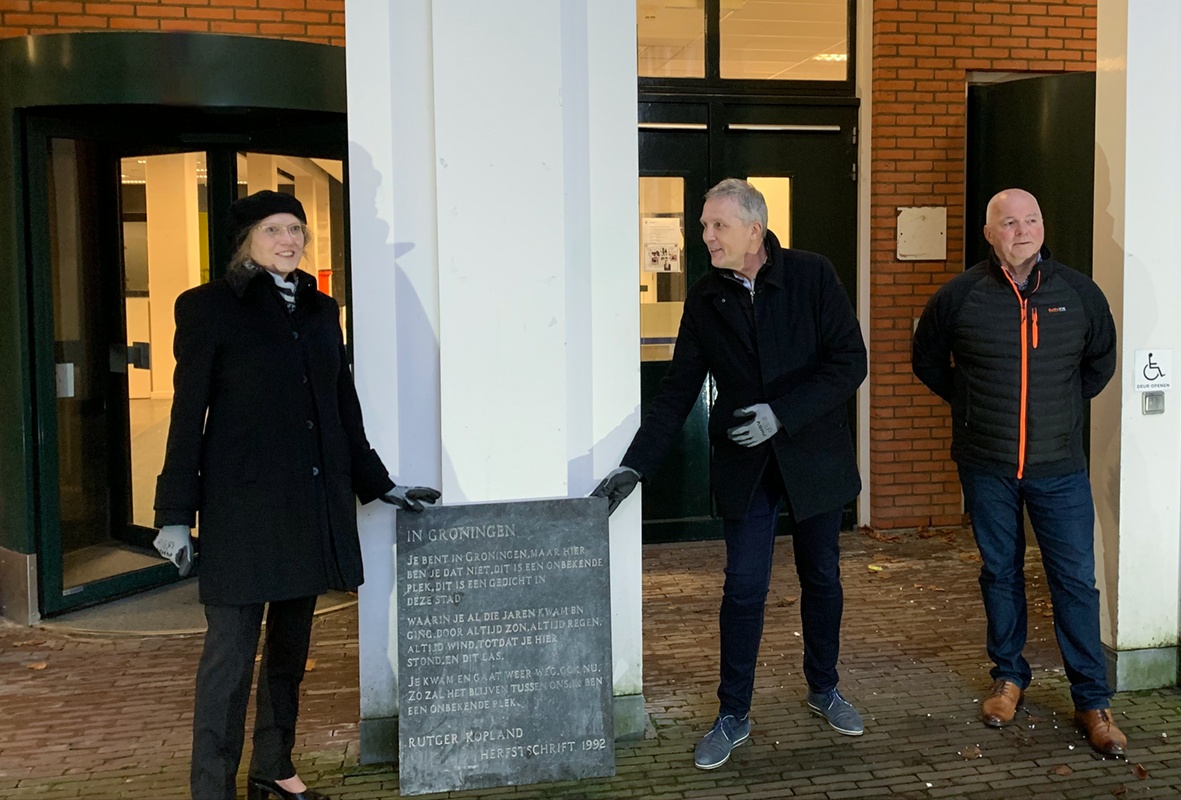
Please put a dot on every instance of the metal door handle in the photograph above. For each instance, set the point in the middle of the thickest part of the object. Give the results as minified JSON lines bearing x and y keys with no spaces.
{"x":65,"y":380}
{"x":750,"y":126}
{"x":139,"y":355}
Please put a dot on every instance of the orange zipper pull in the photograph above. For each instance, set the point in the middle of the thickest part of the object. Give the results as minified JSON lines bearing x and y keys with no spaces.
{"x":1035,"y":329}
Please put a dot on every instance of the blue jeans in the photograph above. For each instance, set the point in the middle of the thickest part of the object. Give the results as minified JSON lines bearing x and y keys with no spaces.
{"x":1063,"y":518}
{"x":750,"y":545}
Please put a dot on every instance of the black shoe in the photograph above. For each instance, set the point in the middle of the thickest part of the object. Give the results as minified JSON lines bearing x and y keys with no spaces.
{"x":263,"y":789}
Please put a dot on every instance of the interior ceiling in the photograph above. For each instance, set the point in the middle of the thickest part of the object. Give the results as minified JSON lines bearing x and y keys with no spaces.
{"x":761,"y":39}
{"x":133,"y":170}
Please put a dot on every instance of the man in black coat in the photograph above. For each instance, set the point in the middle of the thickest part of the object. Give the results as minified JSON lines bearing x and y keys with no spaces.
{"x":1016,"y":345}
{"x":777,"y":332}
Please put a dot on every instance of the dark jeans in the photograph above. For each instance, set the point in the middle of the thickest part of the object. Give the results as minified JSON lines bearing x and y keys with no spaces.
{"x":1063,"y":519}
{"x":750,"y":545}
{"x":223,"y":691}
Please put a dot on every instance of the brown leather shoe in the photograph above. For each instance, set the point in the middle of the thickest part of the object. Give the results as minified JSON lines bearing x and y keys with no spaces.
{"x":1101,"y":732}
{"x":1000,"y":707}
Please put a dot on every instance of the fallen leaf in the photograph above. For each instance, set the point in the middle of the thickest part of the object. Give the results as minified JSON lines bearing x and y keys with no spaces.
{"x":875,"y":567}
{"x":878,"y":536}
{"x":1119,"y":790}
{"x":28,"y":643}
{"x":37,"y":665}
{"x":971,"y":752}
{"x":1139,"y":771}
{"x":1062,"y":770}
{"x":969,"y":556}
{"x":311,"y":665}
{"x":784,"y":602}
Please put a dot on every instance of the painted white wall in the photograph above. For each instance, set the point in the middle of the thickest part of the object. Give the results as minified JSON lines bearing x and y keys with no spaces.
{"x":493,"y":265}
{"x":174,"y":253}
{"x":864,"y":240}
{"x":1136,"y":459}
{"x":395,"y":294}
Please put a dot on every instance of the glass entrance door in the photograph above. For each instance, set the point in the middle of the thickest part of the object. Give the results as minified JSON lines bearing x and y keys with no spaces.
{"x":673,"y":182}
{"x":93,"y":355}
{"x":123,"y":226}
{"x":802,"y":160}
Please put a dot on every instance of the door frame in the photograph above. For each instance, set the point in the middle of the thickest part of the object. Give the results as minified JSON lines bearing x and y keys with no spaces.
{"x":228,"y":91}
{"x":170,"y":131}
{"x":712,"y":113}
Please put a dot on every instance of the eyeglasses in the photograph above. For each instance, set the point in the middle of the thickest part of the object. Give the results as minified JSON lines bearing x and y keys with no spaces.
{"x":275,"y":231}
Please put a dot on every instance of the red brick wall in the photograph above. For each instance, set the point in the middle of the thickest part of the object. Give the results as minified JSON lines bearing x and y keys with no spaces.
{"x":306,"y":20}
{"x":922,"y":52}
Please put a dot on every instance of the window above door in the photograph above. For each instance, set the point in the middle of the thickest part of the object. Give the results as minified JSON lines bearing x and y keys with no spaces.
{"x":778,"y":46}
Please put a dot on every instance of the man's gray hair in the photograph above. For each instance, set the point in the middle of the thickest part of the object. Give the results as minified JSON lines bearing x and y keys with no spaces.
{"x":751,"y":204}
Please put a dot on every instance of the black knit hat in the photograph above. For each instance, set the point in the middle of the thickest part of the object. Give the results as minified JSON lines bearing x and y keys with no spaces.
{"x":248,"y":211}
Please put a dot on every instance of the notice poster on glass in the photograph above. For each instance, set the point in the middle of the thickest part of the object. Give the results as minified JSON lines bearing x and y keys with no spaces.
{"x":661,"y":244}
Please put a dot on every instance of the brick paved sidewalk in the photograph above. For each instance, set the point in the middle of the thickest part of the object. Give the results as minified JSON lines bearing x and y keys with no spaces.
{"x":106,"y":718}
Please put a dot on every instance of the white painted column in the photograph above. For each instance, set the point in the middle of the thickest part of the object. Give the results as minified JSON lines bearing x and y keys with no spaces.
{"x":864,"y":241}
{"x":1136,"y":459}
{"x":493,"y":186}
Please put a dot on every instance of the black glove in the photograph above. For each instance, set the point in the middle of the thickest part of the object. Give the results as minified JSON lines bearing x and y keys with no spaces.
{"x":619,"y":483}
{"x":407,"y":497}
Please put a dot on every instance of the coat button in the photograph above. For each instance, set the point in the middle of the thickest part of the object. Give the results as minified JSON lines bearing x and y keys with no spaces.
{"x":315,"y":471}
{"x":311,"y":424}
{"x":295,"y":334}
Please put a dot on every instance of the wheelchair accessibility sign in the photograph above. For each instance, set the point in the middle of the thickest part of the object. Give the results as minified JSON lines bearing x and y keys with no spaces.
{"x":1154,"y":370}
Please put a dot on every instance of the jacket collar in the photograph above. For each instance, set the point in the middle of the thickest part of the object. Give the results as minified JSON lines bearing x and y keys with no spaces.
{"x":240,"y":277}
{"x":1044,"y":266}
{"x":773,"y":273}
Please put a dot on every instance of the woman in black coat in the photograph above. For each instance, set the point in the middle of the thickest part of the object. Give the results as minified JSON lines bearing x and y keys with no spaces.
{"x":267,"y":445}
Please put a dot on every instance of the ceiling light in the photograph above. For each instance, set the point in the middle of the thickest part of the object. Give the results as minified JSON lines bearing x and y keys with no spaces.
{"x":831,"y":57}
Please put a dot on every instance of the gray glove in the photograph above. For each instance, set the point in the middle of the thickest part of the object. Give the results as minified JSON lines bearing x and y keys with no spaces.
{"x":176,"y":544}
{"x":761,"y":424}
{"x":619,"y":483}
{"x":407,"y":497}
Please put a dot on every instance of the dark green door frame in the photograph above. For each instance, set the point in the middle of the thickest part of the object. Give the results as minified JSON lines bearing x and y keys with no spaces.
{"x":172,"y":91}
{"x":706,"y":139}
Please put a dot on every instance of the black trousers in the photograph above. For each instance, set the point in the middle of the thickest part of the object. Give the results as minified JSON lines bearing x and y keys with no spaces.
{"x":223,"y":691}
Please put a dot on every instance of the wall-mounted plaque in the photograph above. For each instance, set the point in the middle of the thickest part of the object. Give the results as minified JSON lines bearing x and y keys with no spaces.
{"x":504,"y":645}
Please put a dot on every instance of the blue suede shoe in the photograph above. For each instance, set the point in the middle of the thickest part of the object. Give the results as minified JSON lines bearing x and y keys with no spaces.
{"x":727,"y":733}
{"x":840,"y":715}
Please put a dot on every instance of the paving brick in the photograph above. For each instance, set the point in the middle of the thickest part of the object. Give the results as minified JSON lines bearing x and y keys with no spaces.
{"x":109,"y":717}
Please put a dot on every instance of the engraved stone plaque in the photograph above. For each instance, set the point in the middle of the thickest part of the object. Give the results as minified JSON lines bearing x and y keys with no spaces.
{"x":504,"y":645}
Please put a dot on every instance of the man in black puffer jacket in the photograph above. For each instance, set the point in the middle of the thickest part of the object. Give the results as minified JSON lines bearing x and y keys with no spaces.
{"x":1017,"y":344}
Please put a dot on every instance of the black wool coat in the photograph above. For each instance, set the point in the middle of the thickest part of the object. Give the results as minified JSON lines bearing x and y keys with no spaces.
{"x":802,"y":353}
{"x":266,"y":445}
